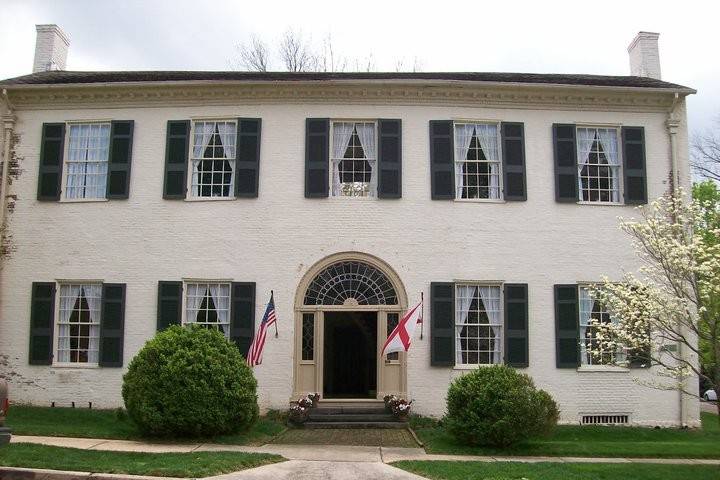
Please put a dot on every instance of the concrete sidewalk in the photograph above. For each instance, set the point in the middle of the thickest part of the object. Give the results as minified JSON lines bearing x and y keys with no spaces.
{"x":329,"y":453}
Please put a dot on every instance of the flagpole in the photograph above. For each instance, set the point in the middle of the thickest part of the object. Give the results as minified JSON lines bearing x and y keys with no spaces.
{"x":422,"y":313}
{"x":272,"y":299}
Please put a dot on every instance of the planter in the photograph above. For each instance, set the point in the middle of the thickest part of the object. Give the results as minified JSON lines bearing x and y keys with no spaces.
{"x":299,"y":417}
{"x":402,"y":417}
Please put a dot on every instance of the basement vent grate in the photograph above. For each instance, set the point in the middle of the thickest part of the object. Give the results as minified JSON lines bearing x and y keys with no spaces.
{"x":605,"y":419}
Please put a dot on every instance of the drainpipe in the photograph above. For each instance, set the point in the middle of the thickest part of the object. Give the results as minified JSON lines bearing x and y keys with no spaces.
{"x":673,"y":125}
{"x":8,"y":120}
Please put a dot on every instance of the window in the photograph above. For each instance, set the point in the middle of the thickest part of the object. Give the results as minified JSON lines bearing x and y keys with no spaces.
{"x":353,"y":159}
{"x":477,"y":161}
{"x":392,"y":323}
{"x":208,"y":305}
{"x":87,"y":161}
{"x":79,"y":323}
{"x":598,"y":164}
{"x":478,"y":325}
{"x":308,"y":336}
{"x":592,"y":352}
{"x":213,"y":158}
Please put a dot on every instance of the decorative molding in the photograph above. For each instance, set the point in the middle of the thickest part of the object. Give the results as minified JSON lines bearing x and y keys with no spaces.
{"x":511,"y":96}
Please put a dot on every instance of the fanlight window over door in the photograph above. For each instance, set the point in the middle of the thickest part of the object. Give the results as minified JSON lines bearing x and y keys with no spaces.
{"x":351,"y":280}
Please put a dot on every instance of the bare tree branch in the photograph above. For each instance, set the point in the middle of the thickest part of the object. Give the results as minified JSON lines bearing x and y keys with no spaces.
{"x":705,"y":153}
{"x":254,"y":56}
{"x":295,"y":53}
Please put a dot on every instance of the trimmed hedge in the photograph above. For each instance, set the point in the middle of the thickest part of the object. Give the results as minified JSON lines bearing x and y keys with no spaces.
{"x":498,"y":406}
{"x":190,"y":382}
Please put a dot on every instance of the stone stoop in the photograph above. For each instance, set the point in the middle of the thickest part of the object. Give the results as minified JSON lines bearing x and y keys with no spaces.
{"x":352,"y":417}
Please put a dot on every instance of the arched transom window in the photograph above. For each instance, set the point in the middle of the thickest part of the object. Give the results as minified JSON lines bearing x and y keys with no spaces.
{"x":346,"y":280}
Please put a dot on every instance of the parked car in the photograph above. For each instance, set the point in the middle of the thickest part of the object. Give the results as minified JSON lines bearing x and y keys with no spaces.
{"x":710,"y":395}
{"x":4,"y":406}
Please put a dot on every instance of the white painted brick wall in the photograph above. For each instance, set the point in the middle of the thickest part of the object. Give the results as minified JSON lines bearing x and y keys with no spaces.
{"x":274,"y":239}
{"x":51,"y":48}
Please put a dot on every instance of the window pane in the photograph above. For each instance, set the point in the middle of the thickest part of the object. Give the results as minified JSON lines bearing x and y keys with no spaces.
{"x":87,"y":160}
{"x":478,"y":324}
{"x":353,"y":159}
{"x":308,"y":336}
{"x":593,"y":314}
{"x":599,"y":166}
{"x":79,"y":322}
{"x":213,"y":158}
{"x":208,"y":305}
{"x":477,"y":161}
{"x":392,"y":322}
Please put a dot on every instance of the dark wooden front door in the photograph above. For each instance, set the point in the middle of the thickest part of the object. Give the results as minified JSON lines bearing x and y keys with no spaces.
{"x":350,"y":358}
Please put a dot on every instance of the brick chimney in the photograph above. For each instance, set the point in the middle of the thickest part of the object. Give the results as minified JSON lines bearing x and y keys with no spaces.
{"x":645,"y":56}
{"x":51,"y":48}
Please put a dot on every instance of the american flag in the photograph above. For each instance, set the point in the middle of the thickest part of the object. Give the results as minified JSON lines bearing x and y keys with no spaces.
{"x":256,"y":347}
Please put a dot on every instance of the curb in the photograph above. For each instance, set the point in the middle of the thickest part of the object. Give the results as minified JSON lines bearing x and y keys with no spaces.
{"x":15,"y":473}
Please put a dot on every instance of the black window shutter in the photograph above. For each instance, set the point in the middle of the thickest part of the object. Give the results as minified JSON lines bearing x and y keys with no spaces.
{"x":516,"y":324}
{"x":442,"y":160}
{"x":42,"y":322}
{"x":566,"y":183}
{"x":513,"y":157}
{"x":120,"y":159}
{"x":112,"y":325}
{"x":633,"y":139}
{"x":442,"y":324}
{"x":176,"y":159}
{"x":169,"y":310}
{"x":389,"y":159}
{"x":242,"y":315}
{"x":52,"y":150}
{"x":247,"y":163}
{"x":567,"y":348}
{"x":317,"y":157}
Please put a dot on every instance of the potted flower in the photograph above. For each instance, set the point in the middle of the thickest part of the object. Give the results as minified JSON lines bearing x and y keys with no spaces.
{"x":401,"y":409}
{"x":389,"y":401}
{"x":299,"y":414}
{"x":314,"y":398}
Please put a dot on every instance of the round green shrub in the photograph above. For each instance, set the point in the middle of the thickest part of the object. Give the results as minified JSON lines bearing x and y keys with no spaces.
{"x":498,"y":406}
{"x":190,"y":382}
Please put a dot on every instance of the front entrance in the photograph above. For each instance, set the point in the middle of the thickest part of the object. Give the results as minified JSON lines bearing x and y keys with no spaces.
{"x":350,"y":355}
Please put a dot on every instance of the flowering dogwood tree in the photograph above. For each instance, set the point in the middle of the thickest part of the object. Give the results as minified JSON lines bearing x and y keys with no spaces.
{"x":666,"y":315}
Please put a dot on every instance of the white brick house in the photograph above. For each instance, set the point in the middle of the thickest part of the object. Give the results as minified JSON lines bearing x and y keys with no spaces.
{"x":143,"y":199}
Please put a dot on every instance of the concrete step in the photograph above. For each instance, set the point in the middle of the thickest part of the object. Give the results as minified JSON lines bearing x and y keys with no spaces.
{"x":342,"y":424}
{"x":351,"y":417}
{"x":351,"y":410}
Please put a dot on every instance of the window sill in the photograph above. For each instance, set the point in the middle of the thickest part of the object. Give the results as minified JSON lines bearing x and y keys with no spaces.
{"x":346,"y":198}
{"x":602,"y":368}
{"x":473,"y":366}
{"x":602,"y":204}
{"x":210,"y":199}
{"x":480,"y":200}
{"x":83,"y":200}
{"x":79,"y":366}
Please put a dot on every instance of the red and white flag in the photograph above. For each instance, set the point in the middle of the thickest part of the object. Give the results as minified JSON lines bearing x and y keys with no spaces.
{"x":399,"y":339}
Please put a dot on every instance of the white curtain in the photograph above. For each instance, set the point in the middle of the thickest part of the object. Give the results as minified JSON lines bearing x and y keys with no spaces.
{"x":87,"y":161}
{"x":93,"y":295}
{"x":342,"y":132}
{"x":227,"y":132}
{"x":69,"y":295}
{"x":587,"y":303}
{"x":465,"y":295}
{"x":609,"y":143}
{"x":366,"y":134}
{"x":491,"y":300}
{"x":463,"y":137}
{"x":585,"y":139}
{"x":203,"y":133}
{"x":487,"y":135}
{"x":193,"y":300}
{"x":221,"y":297}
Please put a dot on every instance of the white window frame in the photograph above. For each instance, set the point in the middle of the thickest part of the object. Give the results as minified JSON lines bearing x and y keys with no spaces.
{"x":372,"y":191}
{"x":499,"y":162}
{"x":500,"y":340}
{"x":66,"y":161}
{"x":57,"y":323}
{"x":585,"y":364}
{"x":202,"y":281}
{"x":620,"y":167}
{"x":192,"y":194}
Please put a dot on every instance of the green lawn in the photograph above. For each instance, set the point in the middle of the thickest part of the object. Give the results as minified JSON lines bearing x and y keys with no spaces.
{"x":557,"y":471}
{"x":196,"y":464}
{"x":82,"y":422}
{"x":594,"y":442}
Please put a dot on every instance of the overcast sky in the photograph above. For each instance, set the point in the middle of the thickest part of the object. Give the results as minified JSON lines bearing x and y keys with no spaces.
{"x":506,"y":36}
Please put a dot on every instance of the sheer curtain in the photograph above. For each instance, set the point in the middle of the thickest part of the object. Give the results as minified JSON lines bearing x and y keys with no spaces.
{"x":465,"y":295}
{"x":587,"y":303}
{"x":366,"y":134}
{"x":221,"y":297}
{"x":487,"y":135}
{"x":342,"y":131}
{"x":202,"y":135}
{"x":227,"y":131}
{"x":96,"y":166}
{"x":69,"y":295}
{"x":463,"y":136}
{"x":193,"y":300}
{"x":93,"y":295}
{"x":609,"y":143}
{"x":491,"y":300}
{"x":585,"y":139}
